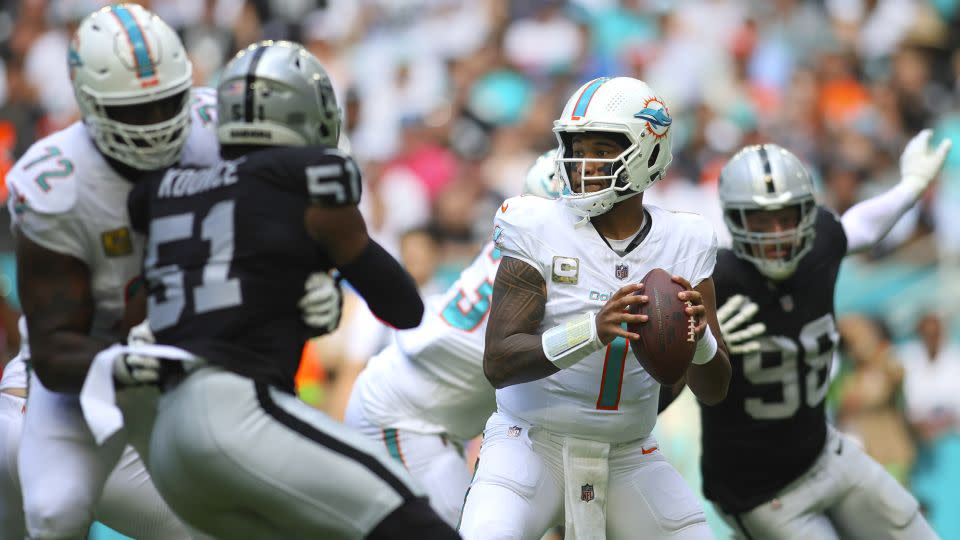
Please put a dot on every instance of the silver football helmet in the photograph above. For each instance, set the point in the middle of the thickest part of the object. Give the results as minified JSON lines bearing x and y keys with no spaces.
{"x":629,"y":109}
{"x":122,"y":60}
{"x":277,"y":93}
{"x":764,"y":178}
{"x":542,"y":180}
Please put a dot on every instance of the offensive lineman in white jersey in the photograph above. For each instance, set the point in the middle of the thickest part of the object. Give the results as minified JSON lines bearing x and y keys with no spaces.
{"x":78,"y":262}
{"x":570,"y":442}
{"x":425,"y":394}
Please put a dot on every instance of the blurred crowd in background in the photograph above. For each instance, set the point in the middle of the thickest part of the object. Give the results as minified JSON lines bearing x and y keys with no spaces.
{"x":448,"y":102}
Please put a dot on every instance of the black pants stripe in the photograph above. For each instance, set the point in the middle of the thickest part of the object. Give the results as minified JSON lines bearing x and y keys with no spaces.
{"x":743,"y":528}
{"x":314,"y":434}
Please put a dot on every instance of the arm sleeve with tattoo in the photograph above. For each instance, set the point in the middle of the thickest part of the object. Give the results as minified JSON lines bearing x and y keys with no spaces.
{"x":513,"y":353}
{"x":58,"y":304}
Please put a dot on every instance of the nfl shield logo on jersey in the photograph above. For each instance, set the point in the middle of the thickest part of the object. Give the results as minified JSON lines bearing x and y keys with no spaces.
{"x":586,"y":492}
{"x":621,"y":271}
{"x":514,"y":431}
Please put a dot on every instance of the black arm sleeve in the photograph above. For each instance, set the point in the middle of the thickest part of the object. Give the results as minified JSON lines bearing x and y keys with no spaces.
{"x":389,"y":290}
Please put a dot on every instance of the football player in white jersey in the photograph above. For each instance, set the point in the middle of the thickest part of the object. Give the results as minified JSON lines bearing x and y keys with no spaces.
{"x":571,"y":440}
{"x":425,"y":394}
{"x":77,"y":263}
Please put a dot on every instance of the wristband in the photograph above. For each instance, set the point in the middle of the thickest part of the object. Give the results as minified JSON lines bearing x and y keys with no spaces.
{"x":706,"y":348}
{"x":572,"y":341}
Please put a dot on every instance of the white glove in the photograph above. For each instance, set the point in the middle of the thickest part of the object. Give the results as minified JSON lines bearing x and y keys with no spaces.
{"x":322,"y":303}
{"x":135,"y":369}
{"x":732,"y":315}
{"x":919,"y":165}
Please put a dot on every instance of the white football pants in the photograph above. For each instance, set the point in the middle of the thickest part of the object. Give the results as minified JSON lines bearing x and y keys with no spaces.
{"x":844,"y":494}
{"x":434,"y":461}
{"x":518,"y":489}
{"x":68,"y":481}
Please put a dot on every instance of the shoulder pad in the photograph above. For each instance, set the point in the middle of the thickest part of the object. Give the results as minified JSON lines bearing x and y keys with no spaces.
{"x":691,"y":223}
{"x":202,"y":147}
{"x":528,"y":211}
{"x":333,"y":178}
{"x":519,"y":224}
{"x":203,"y":105}
{"x":44,"y":179}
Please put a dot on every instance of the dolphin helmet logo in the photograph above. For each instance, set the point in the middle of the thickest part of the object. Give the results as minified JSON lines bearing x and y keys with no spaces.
{"x":657,"y":117}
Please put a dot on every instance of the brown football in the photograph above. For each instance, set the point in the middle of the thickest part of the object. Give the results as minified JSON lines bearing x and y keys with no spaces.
{"x":667,"y":342}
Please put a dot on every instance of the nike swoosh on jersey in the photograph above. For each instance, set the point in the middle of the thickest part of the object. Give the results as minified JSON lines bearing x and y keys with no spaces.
{"x":647,"y":451}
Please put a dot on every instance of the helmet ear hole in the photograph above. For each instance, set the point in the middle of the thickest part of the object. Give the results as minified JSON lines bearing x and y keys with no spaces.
{"x":654,"y":154}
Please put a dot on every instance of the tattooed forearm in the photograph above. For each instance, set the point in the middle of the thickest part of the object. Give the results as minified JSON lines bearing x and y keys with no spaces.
{"x":58,"y":302}
{"x":513,"y":353}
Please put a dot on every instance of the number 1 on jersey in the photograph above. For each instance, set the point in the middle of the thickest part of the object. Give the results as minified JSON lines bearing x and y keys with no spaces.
{"x":611,"y":381}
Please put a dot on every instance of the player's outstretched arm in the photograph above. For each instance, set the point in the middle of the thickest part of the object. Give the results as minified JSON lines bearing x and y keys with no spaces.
{"x":58,"y":302}
{"x":866,"y":223}
{"x":708,"y":379}
{"x":388,"y":289}
{"x":513,"y":353}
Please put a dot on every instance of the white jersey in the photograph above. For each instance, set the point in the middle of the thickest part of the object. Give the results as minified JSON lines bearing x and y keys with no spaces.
{"x":431,"y":378}
{"x":65,"y":197}
{"x":15,"y":372}
{"x":607,"y":396}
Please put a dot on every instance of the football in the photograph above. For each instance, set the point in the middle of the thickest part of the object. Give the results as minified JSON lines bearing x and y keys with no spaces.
{"x":667,"y":342}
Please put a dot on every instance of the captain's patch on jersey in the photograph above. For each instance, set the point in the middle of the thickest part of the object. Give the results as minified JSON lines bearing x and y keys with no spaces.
{"x":117,"y":243}
{"x":566,"y":269}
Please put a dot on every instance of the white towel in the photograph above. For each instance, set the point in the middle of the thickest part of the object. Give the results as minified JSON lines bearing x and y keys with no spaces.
{"x":585,"y":472}
{"x":98,"y":395}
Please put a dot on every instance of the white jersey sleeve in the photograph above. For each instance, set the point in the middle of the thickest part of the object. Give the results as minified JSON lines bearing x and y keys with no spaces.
{"x":44,"y":191}
{"x":514,"y":230}
{"x":701,"y":247}
{"x":202,"y":147}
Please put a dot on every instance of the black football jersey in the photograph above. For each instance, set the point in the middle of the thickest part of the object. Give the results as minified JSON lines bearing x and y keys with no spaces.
{"x":227,"y":254}
{"x":771,"y":427}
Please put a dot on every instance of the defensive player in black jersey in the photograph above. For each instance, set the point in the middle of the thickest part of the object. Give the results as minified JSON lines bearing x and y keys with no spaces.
{"x":771,"y":463}
{"x":229,"y":247}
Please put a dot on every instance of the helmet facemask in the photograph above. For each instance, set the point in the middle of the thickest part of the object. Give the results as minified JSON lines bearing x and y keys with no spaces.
{"x":775,"y":253}
{"x":593,"y":185}
{"x":145,"y":147}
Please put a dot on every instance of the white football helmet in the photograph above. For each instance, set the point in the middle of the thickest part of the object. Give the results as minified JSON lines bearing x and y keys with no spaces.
{"x":542,"y":180}
{"x":624,"y":106}
{"x":123,"y":56}
{"x":764,"y":178}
